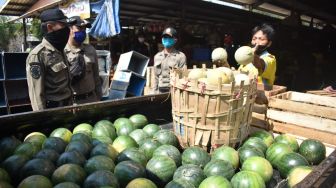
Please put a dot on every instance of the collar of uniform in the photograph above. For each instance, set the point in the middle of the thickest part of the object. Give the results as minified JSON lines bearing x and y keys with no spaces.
{"x":73,"y":49}
{"x":48,"y":45}
{"x":173,"y":52}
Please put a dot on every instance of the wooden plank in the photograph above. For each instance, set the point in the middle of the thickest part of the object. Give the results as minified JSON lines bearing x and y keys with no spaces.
{"x":315,"y":99}
{"x":303,"y":120}
{"x":258,"y":120}
{"x":320,"y":111}
{"x":326,"y":137}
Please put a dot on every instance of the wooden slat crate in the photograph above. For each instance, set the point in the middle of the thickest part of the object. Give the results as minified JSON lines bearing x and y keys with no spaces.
{"x":322,"y":93}
{"x":303,"y":114}
{"x":210,"y":116}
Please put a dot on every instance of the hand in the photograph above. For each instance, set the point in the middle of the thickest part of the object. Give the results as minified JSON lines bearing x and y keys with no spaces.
{"x":330,"y":89}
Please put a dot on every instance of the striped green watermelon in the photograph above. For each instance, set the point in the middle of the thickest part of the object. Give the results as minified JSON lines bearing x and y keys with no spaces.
{"x":126,"y":171}
{"x":313,"y":150}
{"x":138,"y":120}
{"x":195,"y":155}
{"x":49,"y":154}
{"x":215,"y":182}
{"x":289,"y":161}
{"x":169,"y":151}
{"x":151,"y":129}
{"x":69,"y":173}
{"x":160,"y":170}
{"x":247,"y":152}
{"x":27,"y":149}
{"x":191,"y":173}
{"x":217,"y":167}
{"x":67,"y":185}
{"x":141,"y":183}
{"x":83,"y":128}
{"x":166,"y":137}
{"x":4,"y":176}
{"x":63,"y":133}
{"x":179,"y":183}
{"x":99,"y":162}
{"x":104,"y":149}
{"x":101,"y":178}
{"x":71,"y":157}
{"x":256,"y":143}
{"x":123,"y":142}
{"x":101,"y":130}
{"x":297,"y":174}
{"x":35,"y":181}
{"x":260,"y":166}
{"x":80,"y":146}
{"x":133,"y":154}
{"x":42,"y":167}
{"x":247,"y":179}
{"x":55,"y":143}
{"x":289,"y":140}
{"x":228,"y":154}
{"x":36,"y":138}
{"x":139,"y":136}
{"x":276,"y":151}
{"x":125,"y":129}
{"x":82,"y":137}
{"x":13,"y":165}
{"x":149,"y":146}
{"x":121,"y":122}
{"x":265,"y":136}
{"x":8,"y":146}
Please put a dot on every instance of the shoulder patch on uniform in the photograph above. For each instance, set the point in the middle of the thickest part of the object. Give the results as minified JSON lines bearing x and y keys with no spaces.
{"x":35,"y":71}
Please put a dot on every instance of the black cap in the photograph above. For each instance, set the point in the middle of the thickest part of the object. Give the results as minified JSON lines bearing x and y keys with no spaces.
{"x":79,"y":22}
{"x":54,"y":15}
{"x":169,"y":31}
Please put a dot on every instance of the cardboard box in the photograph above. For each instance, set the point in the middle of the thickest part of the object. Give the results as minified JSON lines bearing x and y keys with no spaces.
{"x":134,"y":62}
{"x":117,"y":94}
{"x":129,"y":81}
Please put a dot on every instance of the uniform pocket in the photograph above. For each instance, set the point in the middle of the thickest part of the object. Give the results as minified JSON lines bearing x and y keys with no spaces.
{"x":157,"y":69}
{"x":58,"y":67}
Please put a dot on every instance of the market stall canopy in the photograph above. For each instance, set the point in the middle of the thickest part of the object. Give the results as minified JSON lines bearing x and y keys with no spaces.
{"x":25,"y":8}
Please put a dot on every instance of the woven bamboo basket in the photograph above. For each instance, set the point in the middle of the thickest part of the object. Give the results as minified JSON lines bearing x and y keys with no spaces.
{"x":210,"y":116}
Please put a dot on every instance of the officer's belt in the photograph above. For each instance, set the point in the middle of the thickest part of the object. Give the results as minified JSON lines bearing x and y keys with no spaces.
{"x":83,"y":96}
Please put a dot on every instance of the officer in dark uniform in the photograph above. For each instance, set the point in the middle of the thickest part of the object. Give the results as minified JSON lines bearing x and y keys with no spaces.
{"x":47,"y":70}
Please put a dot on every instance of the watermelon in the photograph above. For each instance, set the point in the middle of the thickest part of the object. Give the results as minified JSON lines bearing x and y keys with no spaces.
{"x":276,"y":151}
{"x":297,"y":174}
{"x":4,"y":176}
{"x":27,"y":149}
{"x":104,"y":130}
{"x":218,"y":167}
{"x":151,"y":129}
{"x":13,"y":165}
{"x":126,"y":171}
{"x":191,"y":173}
{"x":141,"y":183}
{"x":83,"y":128}
{"x":67,"y":185}
{"x":138,"y":120}
{"x":195,"y":155}
{"x":247,"y":179}
{"x":289,"y":161}
{"x":48,"y":154}
{"x":99,"y":162}
{"x":55,"y":143}
{"x":313,"y":150}
{"x":121,"y":122}
{"x":69,"y":173}
{"x":36,"y":138}
{"x":35,"y":181}
{"x":104,"y":149}
{"x":265,"y":136}
{"x":82,"y":147}
{"x":63,"y":133}
{"x":105,"y":122}
{"x":4,"y":184}
{"x":169,"y":151}
{"x":101,"y":178}
{"x":215,"y":182}
{"x":125,"y":129}
{"x":71,"y":157}
{"x":82,"y":137}
{"x":256,"y":143}
{"x":179,"y":183}
{"x":123,"y":142}
{"x":149,"y":146}
{"x":260,"y":166}
{"x":246,"y":152}
{"x":228,"y":154}
{"x":42,"y":167}
{"x":102,"y":139}
{"x":166,"y":137}
{"x":160,"y":170}
{"x":8,"y":146}
{"x":288,"y":140}
{"x":138,"y":135}
{"x":133,"y":154}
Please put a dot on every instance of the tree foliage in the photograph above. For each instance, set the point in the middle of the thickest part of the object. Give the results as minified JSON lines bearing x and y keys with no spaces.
{"x":35,"y":28}
{"x":7,"y":32}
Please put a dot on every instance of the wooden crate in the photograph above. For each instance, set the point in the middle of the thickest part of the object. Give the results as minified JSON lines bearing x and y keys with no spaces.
{"x":210,"y":116}
{"x":259,"y":118}
{"x":322,"y":93}
{"x":303,"y":114}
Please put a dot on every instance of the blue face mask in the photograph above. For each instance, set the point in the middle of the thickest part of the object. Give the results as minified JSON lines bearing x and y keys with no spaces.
{"x":80,"y":36}
{"x":168,"y":42}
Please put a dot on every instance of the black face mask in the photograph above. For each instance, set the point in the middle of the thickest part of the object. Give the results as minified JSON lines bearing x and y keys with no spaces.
{"x":58,"y":38}
{"x":260,"y":49}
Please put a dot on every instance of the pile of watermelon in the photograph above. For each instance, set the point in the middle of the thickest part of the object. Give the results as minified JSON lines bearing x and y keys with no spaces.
{"x":133,"y":153}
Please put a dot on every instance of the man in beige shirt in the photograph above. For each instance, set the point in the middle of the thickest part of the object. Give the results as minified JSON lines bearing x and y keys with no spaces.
{"x":84,"y":71}
{"x":167,"y":59}
{"x":47,"y":70}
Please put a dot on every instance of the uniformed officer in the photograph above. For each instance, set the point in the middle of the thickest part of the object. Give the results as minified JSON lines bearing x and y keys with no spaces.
{"x":47,"y":70}
{"x":167,"y":59}
{"x":84,"y":71}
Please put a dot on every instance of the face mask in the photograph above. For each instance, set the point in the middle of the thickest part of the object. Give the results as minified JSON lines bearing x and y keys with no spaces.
{"x":141,"y":39}
{"x":168,"y":42}
{"x":58,"y":38}
{"x":80,"y":36}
